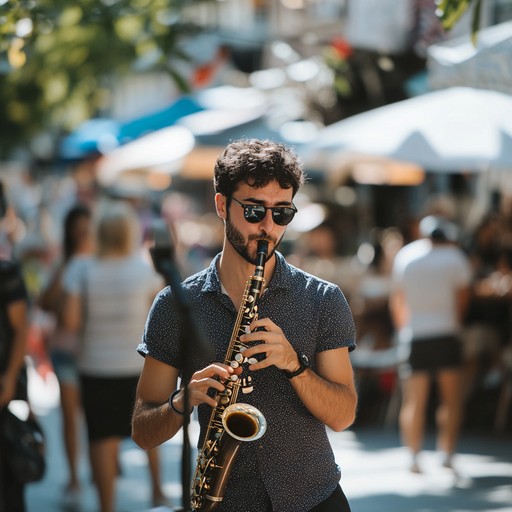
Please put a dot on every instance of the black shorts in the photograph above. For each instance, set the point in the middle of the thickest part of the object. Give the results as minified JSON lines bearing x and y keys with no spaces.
{"x":433,"y":354}
{"x":108,"y":405}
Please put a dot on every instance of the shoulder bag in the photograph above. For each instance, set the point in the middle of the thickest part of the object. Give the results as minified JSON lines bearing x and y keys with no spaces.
{"x":24,"y":445}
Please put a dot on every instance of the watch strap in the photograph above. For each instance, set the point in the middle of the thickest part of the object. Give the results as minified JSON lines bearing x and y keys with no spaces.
{"x":303,"y":366}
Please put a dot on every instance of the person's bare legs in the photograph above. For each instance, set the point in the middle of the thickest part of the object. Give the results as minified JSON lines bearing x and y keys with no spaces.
{"x":157,"y":495}
{"x":104,"y":455}
{"x":70,"y":405}
{"x":449,"y":412}
{"x":415,"y":394}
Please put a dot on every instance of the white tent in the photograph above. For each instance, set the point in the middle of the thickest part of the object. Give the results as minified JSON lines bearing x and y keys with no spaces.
{"x":161,"y":152}
{"x":486,"y":65}
{"x":458,"y":129}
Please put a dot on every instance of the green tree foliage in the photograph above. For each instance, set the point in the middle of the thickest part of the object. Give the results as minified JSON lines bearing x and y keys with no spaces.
{"x":59,"y":58}
{"x":450,"y":11}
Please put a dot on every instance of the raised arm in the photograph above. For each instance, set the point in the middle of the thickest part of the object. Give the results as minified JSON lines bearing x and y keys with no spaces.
{"x":154,"y":421}
{"x":328,"y":393}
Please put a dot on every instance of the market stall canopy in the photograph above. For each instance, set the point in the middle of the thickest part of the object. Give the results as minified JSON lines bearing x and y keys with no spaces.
{"x":228,"y":110}
{"x":453,"y":130}
{"x":135,"y":128}
{"x":208,"y":113}
{"x":160,"y":152}
{"x":90,"y":137}
{"x":486,"y":65}
{"x":101,"y":135}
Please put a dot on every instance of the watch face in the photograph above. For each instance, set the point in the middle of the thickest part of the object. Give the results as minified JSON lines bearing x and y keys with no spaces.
{"x":304,"y":365}
{"x":304,"y":359}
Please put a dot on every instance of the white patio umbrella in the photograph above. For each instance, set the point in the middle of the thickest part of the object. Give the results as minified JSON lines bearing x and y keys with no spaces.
{"x":161,"y":152}
{"x":452,"y":130}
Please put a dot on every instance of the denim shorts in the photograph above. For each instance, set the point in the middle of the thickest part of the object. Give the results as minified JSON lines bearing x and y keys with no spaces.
{"x":65,"y":367}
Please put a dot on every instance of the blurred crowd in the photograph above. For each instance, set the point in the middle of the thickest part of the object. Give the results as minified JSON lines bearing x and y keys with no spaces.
{"x":36,"y":233}
{"x":366,"y":278}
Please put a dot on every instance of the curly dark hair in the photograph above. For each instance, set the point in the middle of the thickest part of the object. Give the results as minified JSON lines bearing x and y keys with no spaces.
{"x":257,"y":163}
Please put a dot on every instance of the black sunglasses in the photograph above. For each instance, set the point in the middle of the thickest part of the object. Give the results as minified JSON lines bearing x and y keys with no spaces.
{"x":281,"y":215}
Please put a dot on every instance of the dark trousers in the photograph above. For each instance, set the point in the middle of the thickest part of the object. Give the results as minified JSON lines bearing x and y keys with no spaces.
{"x":336,"y":502}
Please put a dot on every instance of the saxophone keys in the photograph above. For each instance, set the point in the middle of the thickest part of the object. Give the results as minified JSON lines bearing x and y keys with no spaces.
{"x":233,"y":378}
{"x":247,"y":386}
{"x":234,"y":364}
{"x":252,"y":360}
{"x":239,"y":357}
{"x":224,"y":400}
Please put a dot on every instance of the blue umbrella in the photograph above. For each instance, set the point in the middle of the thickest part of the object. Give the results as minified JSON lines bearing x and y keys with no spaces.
{"x":157,"y":120}
{"x":93,"y":136}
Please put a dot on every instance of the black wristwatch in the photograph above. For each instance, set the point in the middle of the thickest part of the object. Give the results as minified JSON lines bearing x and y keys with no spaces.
{"x":304,"y":365}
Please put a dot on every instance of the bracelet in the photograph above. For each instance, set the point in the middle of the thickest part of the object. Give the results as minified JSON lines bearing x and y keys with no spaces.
{"x":171,"y":398}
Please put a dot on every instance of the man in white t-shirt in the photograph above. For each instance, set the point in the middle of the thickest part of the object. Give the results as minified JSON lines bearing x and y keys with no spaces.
{"x":430,"y":293}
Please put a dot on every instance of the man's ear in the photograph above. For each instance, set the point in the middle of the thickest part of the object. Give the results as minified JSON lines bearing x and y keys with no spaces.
{"x":221,"y":205}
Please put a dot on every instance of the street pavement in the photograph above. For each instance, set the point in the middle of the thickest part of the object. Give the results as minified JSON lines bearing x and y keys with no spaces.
{"x":374,"y":466}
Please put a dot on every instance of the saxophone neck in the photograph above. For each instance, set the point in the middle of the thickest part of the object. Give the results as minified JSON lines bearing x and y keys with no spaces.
{"x":261,"y":251}
{"x":261,"y":257}
{"x":240,"y":422}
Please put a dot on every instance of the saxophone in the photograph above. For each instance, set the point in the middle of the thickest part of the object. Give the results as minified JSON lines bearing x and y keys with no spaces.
{"x":230,"y":423}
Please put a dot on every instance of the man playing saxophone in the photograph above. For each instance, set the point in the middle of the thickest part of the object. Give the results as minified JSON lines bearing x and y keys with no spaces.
{"x":295,"y":350}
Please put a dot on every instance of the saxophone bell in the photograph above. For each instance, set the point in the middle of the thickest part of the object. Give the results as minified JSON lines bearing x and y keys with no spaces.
{"x":244,"y":422}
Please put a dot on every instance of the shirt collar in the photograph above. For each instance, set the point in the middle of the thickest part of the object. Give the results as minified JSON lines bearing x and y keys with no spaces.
{"x":280,"y":279}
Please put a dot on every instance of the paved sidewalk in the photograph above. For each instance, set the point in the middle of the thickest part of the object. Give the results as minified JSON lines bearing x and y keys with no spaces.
{"x":374,"y":465}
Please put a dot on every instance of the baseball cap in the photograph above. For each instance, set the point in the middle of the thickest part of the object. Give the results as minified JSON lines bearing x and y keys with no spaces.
{"x":438,"y":228}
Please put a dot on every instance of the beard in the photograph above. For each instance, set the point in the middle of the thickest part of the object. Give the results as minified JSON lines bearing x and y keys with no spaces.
{"x":241,"y":246}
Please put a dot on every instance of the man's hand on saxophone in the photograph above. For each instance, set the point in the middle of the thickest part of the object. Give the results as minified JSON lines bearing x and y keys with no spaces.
{"x":211,"y":377}
{"x":274,"y":345}
{"x":328,"y":392}
{"x":155,"y":420}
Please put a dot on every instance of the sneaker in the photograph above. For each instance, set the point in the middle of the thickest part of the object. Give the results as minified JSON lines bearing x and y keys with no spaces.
{"x":447,"y":461}
{"x":71,"y":499}
{"x":162,"y":501}
{"x":415,"y":468}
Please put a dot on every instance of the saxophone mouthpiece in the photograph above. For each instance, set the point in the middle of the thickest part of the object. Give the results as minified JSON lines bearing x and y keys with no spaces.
{"x":262,"y":247}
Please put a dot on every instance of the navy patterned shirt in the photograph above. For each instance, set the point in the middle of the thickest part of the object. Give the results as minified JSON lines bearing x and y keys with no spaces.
{"x":292,"y":467}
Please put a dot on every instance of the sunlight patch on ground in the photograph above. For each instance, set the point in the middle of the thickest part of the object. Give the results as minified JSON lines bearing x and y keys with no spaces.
{"x":386,"y":472}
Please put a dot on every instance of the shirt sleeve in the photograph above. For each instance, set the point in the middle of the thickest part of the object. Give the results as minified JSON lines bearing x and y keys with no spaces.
{"x":161,"y":336}
{"x":74,"y":275}
{"x":13,"y":287}
{"x":338,"y":329}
